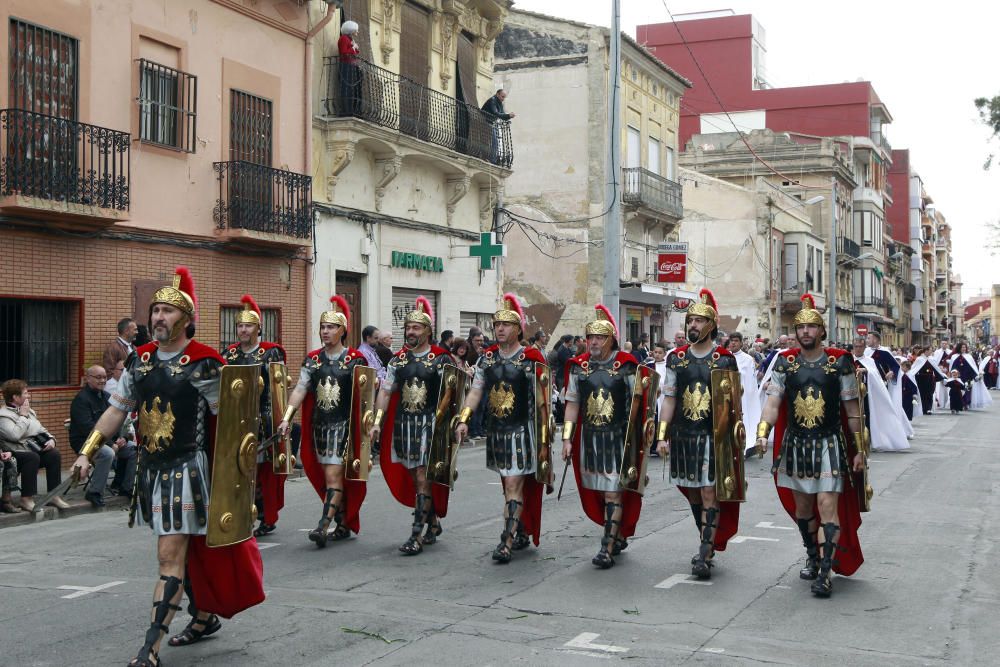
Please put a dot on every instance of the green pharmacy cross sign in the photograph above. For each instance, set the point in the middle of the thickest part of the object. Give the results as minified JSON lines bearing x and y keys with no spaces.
{"x":487,"y":249}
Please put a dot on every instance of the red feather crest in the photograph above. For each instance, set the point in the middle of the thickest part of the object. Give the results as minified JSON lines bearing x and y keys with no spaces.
{"x":246,"y":299}
{"x":808,"y":301}
{"x":423,"y":304}
{"x":186,"y":285}
{"x":607,"y":316}
{"x":511,"y":302}
{"x":707,"y":297}
{"x":341,"y":306}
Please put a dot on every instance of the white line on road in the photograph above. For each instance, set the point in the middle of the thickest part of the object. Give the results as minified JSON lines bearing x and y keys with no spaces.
{"x":585,"y":641}
{"x":86,"y":590}
{"x":740,"y":539}
{"x":589,"y":654}
{"x":714,"y":650}
{"x":267,"y":545}
{"x":675,"y":579}
{"x":768,"y":524}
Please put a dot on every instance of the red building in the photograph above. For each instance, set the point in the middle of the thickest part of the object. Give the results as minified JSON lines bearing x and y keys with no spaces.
{"x":897,"y":214}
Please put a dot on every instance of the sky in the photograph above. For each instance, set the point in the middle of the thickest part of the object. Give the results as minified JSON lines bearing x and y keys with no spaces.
{"x":927,"y":62}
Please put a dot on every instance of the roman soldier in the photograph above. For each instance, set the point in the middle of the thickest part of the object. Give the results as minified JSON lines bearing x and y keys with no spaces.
{"x":691,"y":430}
{"x":598,"y":384}
{"x":174,"y":383}
{"x":326,"y":391}
{"x":515,"y":382}
{"x":252,"y":351}
{"x":408,"y":399}
{"x":820,"y":440}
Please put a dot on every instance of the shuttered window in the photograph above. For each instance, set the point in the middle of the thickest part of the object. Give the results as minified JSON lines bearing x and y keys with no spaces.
{"x":42,"y":72}
{"x":357,"y":11}
{"x":250,"y":136}
{"x":403,"y":301}
{"x":37,"y":340}
{"x":466,"y":64}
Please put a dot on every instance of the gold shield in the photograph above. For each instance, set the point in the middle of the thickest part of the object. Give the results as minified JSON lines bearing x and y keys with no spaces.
{"x":543,"y":423}
{"x":443,"y":455}
{"x":231,"y":511}
{"x":358,"y":457}
{"x":728,"y":435}
{"x":282,"y":460}
{"x":639,"y":430}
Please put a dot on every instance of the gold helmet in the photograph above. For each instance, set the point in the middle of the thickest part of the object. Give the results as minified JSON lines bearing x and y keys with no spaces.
{"x":180,"y":294}
{"x":250,"y":313}
{"x":706,"y":306}
{"x":422,"y":313}
{"x":339,"y":313}
{"x":604,"y":324}
{"x":808,"y":314}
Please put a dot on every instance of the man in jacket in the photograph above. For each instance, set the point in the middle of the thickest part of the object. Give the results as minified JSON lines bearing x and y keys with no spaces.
{"x":87,"y":407}
{"x":494,"y":111}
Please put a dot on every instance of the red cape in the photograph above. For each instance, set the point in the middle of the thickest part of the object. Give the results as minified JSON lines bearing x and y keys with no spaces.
{"x":354,"y":490}
{"x":593,"y":501}
{"x":729,"y":512}
{"x":849,"y":513}
{"x":225,"y":580}
{"x":396,"y":475}
{"x":531,"y":512}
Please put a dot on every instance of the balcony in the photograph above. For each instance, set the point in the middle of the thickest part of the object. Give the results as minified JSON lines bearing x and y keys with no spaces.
{"x":879,"y":140}
{"x":642,"y":188}
{"x":909,"y":291}
{"x":869,"y":302}
{"x":260,"y":205}
{"x":53,"y":166}
{"x":364,"y":90}
{"x":846,"y":246}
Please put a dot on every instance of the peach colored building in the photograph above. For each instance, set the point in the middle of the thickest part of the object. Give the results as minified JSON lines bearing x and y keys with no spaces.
{"x":137,"y":135}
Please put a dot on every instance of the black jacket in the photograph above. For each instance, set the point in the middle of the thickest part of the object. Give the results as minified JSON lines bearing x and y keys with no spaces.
{"x":86,"y":409}
{"x":494,"y":109}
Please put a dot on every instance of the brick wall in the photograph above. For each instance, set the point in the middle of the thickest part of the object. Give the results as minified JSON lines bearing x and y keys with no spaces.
{"x":101,"y":272}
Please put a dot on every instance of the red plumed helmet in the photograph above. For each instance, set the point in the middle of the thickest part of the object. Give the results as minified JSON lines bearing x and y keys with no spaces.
{"x":247,"y":300}
{"x":341,"y":304}
{"x":186,"y":285}
{"x":808,"y":301}
{"x":511,"y":302}
{"x":425,"y":305}
{"x":707,"y":297}
{"x":604,"y":324}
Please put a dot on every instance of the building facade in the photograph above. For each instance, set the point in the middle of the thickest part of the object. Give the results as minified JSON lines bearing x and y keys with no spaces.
{"x":557,"y":72}
{"x":138,"y":136}
{"x":408,"y":168}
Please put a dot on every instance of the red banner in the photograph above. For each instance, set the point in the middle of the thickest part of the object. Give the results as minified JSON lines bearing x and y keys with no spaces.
{"x":671,"y":267}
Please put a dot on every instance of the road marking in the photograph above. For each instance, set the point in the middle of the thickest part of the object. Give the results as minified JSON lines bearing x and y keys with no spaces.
{"x":494,"y":483}
{"x":740,"y":539}
{"x":267,"y":545}
{"x":86,"y":590}
{"x":675,"y":579}
{"x":589,"y":654}
{"x":714,"y":650}
{"x":585,"y":641}
{"x":768,"y":524}
{"x":781,"y":586}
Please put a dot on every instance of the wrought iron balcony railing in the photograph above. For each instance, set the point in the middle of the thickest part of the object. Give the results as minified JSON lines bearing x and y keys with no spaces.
{"x":846,"y":246}
{"x":63,"y":160}
{"x":869,"y":301}
{"x":367,"y":91}
{"x":258,"y":198}
{"x":642,"y":187}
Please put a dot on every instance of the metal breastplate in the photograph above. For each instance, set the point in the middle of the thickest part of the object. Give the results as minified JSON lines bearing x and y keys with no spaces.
{"x":419,"y":381}
{"x":332,"y":383}
{"x":813,"y":394}
{"x":172,"y":414}
{"x":693,"y":411}
{"x":509,"y":391}
{"x":604,"y":393}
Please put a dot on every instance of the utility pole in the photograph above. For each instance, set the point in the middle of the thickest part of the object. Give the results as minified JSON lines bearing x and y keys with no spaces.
{"x":832,"y":252}
{"x":612,"y":194}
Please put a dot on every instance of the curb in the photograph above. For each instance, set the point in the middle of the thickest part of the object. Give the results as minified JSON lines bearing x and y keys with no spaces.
{"x":50,"y":513}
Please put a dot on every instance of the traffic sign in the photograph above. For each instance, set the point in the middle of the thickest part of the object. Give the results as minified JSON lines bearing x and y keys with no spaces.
{"x":862,"y":330}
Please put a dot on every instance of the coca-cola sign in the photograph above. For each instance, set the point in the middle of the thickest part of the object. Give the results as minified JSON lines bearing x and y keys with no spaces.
{"x":672,"y":263}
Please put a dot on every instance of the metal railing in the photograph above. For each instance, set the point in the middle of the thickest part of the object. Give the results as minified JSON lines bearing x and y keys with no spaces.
{"x":63,"y":160}
{"x":846,"y":246}
{"x":643,"y":187}
{"x":875,"y":301}
{"x":263,"y":199}
{"x":879,"y":139}
{"x":363,"y":90}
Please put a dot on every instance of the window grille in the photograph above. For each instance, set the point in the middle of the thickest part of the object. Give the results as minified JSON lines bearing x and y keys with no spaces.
{"x":168,"y":102}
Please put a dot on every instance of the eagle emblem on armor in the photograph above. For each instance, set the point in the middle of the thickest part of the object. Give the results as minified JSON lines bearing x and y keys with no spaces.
{"x":696,"y":404}
{"x":327,"y":395}
{"x":600,"y":408}
{"x":809,"y":408}
{"x":414,"y":395}
{"x":156,"y":426}
{"x":501,"y":400}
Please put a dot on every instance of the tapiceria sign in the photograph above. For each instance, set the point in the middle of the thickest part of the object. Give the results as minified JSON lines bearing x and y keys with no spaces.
{"x":671,"y":264}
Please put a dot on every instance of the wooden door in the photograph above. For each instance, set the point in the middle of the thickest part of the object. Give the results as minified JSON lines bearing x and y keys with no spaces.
{"x":349,"y":287}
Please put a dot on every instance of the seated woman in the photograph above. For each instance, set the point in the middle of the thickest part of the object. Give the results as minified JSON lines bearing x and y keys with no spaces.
{"x":31,"y":444}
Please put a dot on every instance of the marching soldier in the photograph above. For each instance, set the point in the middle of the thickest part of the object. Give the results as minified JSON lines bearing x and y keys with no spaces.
{"x":330,"y":432}
{"x":409,"y":399}
{"x":813,"y":401}
{"x":175,"y":384}
{"x":250,"y":351}
{"x":599,"y":383}
{"x":515,"y":382}
{"x":690,"y":419}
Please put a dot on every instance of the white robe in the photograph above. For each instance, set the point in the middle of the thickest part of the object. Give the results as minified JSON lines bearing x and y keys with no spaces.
{"x":762,"y":390}
{"x":887,"y":432}
{"x":895,"y":389}
{"x":751,"y":404}
{"x":980,"y":394}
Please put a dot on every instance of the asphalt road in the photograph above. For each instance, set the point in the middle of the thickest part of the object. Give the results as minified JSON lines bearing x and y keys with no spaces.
{"x":77,"y":591}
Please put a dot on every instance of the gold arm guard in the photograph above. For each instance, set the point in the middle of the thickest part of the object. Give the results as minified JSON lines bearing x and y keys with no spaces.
{"x":764,"y":429}
{"x":465,"y":415}
{"x":379,"y":414}
{"x":568,"y":431}
{"x":661,"y":430}
{"x":861,"y":443}
{"x":92,"y":444}
{"x":289,"y":413}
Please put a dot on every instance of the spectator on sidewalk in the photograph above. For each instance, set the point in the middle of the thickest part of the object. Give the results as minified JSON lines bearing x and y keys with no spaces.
{"x":478,"y":342}
{"x":113,"y":377}
{"x":447,"y":336}
{"x":368,"y":347}
{"x":642,"y":351}
{"x":87,"y":407}
{"x":30,"y":443}
{"x":384,"y":347}
{"x":462,"y":352}
{"x":119,"y":348}
{"x":8,"y":483}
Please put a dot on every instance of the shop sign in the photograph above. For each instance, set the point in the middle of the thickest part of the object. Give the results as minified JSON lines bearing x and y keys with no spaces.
{"x":410,"y":260}
{"x":671,"y":262}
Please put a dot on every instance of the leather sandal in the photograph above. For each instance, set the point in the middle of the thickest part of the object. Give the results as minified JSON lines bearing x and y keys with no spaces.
{"x":190,"y":635}
{"x":264,"y":529}
{"x":147,"y":661}
{"x":521,"y":541}
{"x":433,"y":531}
{"x":603,"y":559}
{"x":412,"y":546}
{"x":7,"y":507}
{"x":502,"y":553}
{"x":341,"y":532}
